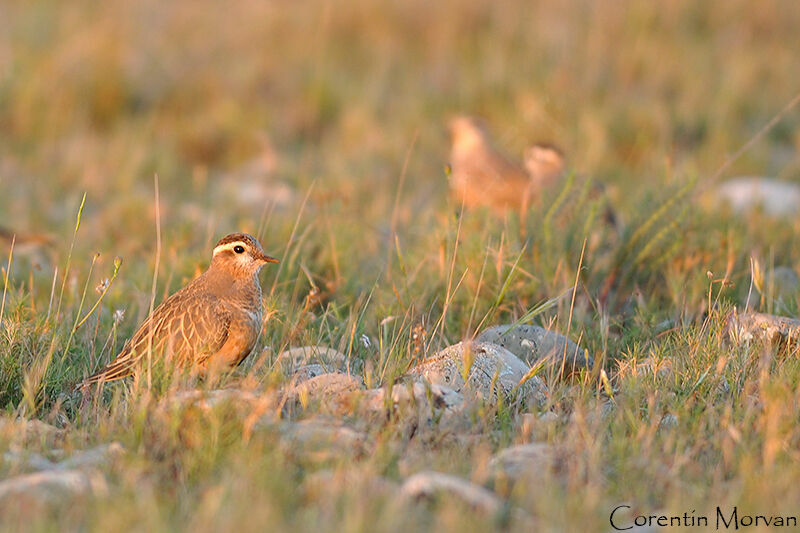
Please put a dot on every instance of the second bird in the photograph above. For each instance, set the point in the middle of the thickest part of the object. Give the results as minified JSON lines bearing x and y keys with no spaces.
{"x":208,"y":326}
{"x":483,"y":176}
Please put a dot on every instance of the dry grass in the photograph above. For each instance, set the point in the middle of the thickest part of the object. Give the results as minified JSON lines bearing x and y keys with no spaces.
{"x":353,"y":97}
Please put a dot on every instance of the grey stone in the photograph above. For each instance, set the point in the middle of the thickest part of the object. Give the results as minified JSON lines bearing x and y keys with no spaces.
{"x":668,"y":421}
{"x":243,"y":404}
{"x":601,"y":411}
{"x":320,"y":484}
{"x":549,"y":417}
{"x":328,"y":384}
{"x":320,"y":439}
{"x":306,"y":355}
{"x":776,"y":197}
{"x":780,"y":284}
{"x":524,"y":460}
{"x":437,"y":396}
{"x":533,"y":344}
{"x":745,"y":327}
{"x":96,"y":457}
{"x":429,"y":484}
{"x":491,"y":370}
{"x":50,"y":487}
{"x":20,"y":430}
{"x":306,"y":372}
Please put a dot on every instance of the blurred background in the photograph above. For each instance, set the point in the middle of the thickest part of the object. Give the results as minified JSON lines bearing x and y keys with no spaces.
{"x":321,"y":128}
{"x":323,"y":125}
{"x":100,"y":97}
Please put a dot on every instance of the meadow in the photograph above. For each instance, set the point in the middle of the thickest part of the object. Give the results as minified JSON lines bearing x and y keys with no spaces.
{"x":136,"y":134}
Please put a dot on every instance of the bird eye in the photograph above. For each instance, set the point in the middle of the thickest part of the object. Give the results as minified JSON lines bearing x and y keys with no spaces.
{"x":239,"y":249}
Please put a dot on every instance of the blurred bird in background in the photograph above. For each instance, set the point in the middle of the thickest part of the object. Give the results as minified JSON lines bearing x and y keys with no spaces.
{"x":481,"y":175}
{"x":36,"y":247}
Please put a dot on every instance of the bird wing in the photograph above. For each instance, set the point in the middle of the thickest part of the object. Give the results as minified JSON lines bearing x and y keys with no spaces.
{"x":488,"y":176}
{"x":182,"y":328}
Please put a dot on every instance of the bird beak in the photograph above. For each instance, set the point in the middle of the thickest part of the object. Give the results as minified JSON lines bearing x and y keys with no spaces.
{"x":267,"y":259}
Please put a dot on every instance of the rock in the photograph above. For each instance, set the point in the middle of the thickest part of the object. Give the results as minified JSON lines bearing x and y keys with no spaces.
{"x":533,"y":344}
{"x":17,"y":459}
{"x":651,"y":366}
{"x":196,"y":407}
{"x":432,"y":396}
{"x":784,"y":282}
{"x":96,"y":457}
{"x":306,"y":372}
{"x":601,"y":411}
{"x":668,"y":421}
{"x":332,"y":390}
{"x":412,"y":408}
{"x":312,"y":430}
{"x":723,"y":387}
{"x":780,"y":284}
{"x":429,"y":484}
{"x":330,"y":384}
{"x":747,"y":326}
{"x":537,"y":426}
{"x":416,"y":405}
{"x":24,"y":431}
{"x":493,"y":369}
{"x":777,"y":198}
{"x":321,"y":440}
{"x":321,"y":484}
{"x":300,"y":356}
{"x":207,"y":400}
{"x":549,"y":417}
{"x":49,"y":487}
{"x":524,"y":460}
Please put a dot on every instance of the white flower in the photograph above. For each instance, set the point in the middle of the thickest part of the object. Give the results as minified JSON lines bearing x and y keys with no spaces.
{"x":103,"y":286}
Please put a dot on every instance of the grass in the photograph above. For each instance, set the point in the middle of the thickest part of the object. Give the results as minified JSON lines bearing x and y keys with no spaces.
{"x":649,"y":100}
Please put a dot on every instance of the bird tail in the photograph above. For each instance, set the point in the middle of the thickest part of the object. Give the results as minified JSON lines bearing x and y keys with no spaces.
{"x":121,"y":367}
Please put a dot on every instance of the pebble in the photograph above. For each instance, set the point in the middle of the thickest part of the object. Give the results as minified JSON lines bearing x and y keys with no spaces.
{"x":524,"y":460}
{"x":50,"y":487}
{"x":493,"y":369}
{"x":300,"y":356}
{"x":319,"y":439}
{"x":777,"y":198}
{"x":534,"y":343}
{"x":96,"y":457}
{"x":428,"y":484}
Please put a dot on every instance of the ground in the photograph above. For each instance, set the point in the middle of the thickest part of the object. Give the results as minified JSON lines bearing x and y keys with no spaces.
{"x":162,"y":114}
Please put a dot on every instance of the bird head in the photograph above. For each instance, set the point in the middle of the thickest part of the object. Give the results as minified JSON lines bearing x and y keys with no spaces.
{"x":467,"y":133}
{"x":544,"y":163}
{"x":240,"y":251}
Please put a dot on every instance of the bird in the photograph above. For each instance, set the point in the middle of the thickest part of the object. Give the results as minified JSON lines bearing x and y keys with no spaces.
{"x":37,"y":248}
{"x":25,"y":241}
{"x":544,"y":163}
{"x":210,"y":325}
{"x":483,"y":176}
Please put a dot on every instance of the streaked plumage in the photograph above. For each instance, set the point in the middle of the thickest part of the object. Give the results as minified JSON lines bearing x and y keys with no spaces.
{"x":483,"y":176}
{"x":211,"y":324}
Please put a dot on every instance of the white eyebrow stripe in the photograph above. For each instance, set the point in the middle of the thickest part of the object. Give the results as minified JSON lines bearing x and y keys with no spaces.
{"x":228,"y":246}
